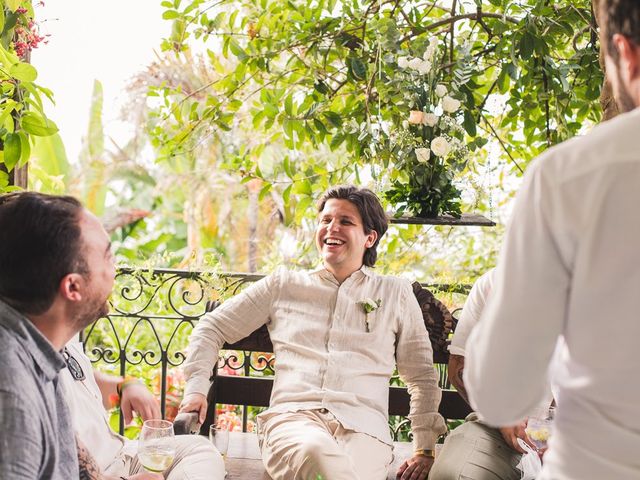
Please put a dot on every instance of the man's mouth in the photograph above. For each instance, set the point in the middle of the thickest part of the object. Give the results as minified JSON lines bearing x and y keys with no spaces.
{"x":333,"y":241}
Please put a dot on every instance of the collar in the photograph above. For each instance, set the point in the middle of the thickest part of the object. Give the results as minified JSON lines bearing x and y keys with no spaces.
{"x":322,"y":272}
{"x":44,"y":355}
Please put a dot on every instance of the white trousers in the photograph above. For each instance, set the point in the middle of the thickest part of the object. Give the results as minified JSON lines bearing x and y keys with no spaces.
{"x":302,"y":445}
{"x":196,"y":459}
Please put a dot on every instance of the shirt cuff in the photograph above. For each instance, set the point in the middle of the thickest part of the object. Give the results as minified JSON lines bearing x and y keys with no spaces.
{"x":454,"y":350}
{"x":197,"y":385}
{"x":425,"y":440}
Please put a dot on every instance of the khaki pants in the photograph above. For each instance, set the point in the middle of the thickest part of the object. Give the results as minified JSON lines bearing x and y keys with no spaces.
{"x":196,"y":459}
{"x":475,"y":451}
{"x":302,"y":445}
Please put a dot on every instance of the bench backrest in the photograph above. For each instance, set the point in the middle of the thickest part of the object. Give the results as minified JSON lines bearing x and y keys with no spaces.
{"x":256,"y":391}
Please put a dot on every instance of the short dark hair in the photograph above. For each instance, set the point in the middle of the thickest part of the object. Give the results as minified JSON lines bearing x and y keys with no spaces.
{"x":619,"y":16}
{"x":40,"y":243}
{"x":370,"y":209}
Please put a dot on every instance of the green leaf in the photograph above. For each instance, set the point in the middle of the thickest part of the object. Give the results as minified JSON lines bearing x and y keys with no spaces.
{"x":469,"y":123}
{"x":25,"y":149}
{"x":527,"y":43}
{"x":37,"y":125}
{"x":333,"y":118}
{"x":12,"y":149}
{"x":357,"y":68}
{"x":170,"y":15}
{"x":13,"y":4}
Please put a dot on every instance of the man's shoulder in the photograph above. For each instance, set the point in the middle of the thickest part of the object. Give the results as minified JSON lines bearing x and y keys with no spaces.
{"x":17,"y":365}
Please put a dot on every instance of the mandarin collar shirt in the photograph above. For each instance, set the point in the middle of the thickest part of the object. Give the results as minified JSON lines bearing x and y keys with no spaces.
{"x":36,"y":438}
{"x":325,"y":357}
{"x":570,"y":268}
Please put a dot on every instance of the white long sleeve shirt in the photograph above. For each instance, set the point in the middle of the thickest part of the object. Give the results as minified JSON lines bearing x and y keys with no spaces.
{"x":570,"y":266}
{"x":325,"y":356}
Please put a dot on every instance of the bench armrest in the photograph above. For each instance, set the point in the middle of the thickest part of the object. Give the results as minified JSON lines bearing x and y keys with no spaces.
{"x":186,"y":423}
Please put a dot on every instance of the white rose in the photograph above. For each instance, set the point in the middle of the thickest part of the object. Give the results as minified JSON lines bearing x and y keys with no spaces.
{"x":440,"y":146}
{"x":422,"y":154}
{"x":430,"y":119}
{"x":415,"y":63}
{"x":450,"y":104}
{"x":371,"y":302}
{"x":424,"y":67}
{"x":441,"y":90}
{"x":403,"y":62}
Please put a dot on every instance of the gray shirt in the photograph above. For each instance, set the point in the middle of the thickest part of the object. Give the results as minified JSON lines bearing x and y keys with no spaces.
{"x":36,"y":436}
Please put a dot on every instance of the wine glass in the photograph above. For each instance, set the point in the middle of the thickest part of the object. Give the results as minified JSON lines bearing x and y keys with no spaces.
{"x":220,"y":438}
{"x":156,"y":446}
{"x":539,"y":428}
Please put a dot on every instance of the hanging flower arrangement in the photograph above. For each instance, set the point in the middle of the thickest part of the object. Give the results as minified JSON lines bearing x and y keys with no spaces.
{"x":427,"y":146}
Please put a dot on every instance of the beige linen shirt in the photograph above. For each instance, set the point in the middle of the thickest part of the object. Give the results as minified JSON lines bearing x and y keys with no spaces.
{"x":325,"y":356}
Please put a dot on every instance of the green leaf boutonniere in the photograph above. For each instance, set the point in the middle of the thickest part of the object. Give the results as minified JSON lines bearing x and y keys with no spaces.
{"x":369,"y":305}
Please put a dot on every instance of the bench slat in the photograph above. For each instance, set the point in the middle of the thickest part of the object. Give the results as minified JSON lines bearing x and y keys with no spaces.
{"x":235,"y":390}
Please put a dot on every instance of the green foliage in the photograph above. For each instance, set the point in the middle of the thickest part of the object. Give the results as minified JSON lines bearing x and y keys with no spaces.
{"x":323,"y":76}
{"x":22,"y":116}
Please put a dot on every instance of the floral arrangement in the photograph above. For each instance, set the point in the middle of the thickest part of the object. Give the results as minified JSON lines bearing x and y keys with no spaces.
{"x":428,"y":143}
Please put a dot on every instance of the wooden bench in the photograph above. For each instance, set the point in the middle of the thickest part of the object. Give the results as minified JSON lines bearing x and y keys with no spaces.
{"x":244,"y":457}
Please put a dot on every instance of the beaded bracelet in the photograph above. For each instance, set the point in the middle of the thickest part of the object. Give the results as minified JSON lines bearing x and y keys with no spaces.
{"x":125,"y":383}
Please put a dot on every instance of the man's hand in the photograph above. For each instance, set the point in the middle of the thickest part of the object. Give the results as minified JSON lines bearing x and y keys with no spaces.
{"x":416,"y":468}
{"x":512,"y":434}
{"x":195,"y":402}
{"x":146,"y":476}
{"x":136,"y":397}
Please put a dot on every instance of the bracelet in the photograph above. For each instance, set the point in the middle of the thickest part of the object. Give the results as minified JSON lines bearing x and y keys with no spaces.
{"x":425,"y":452}
{"x":125,"y":383}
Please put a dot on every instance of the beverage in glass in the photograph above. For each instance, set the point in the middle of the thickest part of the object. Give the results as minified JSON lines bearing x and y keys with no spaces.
{"x":156,"y":446}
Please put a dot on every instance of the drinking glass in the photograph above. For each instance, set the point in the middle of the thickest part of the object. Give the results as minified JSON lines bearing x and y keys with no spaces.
{"x":156,"y":446}
{"x":220,"y":438}
{"x":539,"y":428}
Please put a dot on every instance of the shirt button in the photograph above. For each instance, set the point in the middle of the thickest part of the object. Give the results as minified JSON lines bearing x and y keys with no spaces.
{"x":323,"y":410}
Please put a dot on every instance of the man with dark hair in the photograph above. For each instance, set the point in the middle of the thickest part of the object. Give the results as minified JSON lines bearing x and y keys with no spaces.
{"x":337,"y":332}
{"x":570,"y":267}
{"x":56,"y":273}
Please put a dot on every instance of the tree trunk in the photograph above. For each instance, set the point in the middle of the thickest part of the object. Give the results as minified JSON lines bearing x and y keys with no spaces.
{"x":607,"y":101}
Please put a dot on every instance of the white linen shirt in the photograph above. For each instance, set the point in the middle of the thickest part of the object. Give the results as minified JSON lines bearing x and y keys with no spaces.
{"x":471,"y":312}
{"x":325,"y":358}
{"x":88,"y":415}
{"x":570,"y":266}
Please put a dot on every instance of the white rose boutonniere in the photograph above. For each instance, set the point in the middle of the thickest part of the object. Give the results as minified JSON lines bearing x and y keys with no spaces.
{"x":369,"y":305}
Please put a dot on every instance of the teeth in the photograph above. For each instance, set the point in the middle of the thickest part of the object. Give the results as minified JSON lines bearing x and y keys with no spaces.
{"x":332,"y":241}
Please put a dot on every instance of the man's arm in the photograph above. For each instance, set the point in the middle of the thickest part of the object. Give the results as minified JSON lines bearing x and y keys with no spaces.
{"x":232,"y":321}
{"x":508,"y":353}
{"x":414,"y":358}
{"x":134,"y":396}
{"x":456,"y":368}
{"x":20,"y":436}
{"x":89,"y":469}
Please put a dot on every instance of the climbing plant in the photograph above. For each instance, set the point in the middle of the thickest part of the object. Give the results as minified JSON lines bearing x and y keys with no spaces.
{"x":22,"y":114}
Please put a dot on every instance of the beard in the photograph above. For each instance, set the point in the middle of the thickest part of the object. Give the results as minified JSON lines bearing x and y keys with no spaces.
{"x":623,"y":98}
{"x":90,"y":312}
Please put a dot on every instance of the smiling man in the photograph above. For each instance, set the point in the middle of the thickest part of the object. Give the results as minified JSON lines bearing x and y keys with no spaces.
{"x":337,"y":332}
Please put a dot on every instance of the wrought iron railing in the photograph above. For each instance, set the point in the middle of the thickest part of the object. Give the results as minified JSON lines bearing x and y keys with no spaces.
{"x":152,"y":315}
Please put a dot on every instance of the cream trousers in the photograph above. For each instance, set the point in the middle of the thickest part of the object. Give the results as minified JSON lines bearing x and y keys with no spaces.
{"x":302,"y":445}
{"x":196,"y":459}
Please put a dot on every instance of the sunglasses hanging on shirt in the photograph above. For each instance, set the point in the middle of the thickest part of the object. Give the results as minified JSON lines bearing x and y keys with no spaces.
{"x":72,"y":364}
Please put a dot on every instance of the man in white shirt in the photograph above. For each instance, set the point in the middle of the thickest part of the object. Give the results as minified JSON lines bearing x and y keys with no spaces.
{"x":337,"y":332}
{"x":570,"y":266}
{"x":88,"y":392}
{"x":474,"y":449}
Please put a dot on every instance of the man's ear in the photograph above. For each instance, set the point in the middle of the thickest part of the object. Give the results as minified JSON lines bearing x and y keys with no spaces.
{"x":372,"y":236}
{"x":72,"y":287}
{"x":629,"y":56}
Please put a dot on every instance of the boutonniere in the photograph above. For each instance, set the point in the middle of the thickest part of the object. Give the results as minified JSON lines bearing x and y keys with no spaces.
{"x":369,"y":305}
